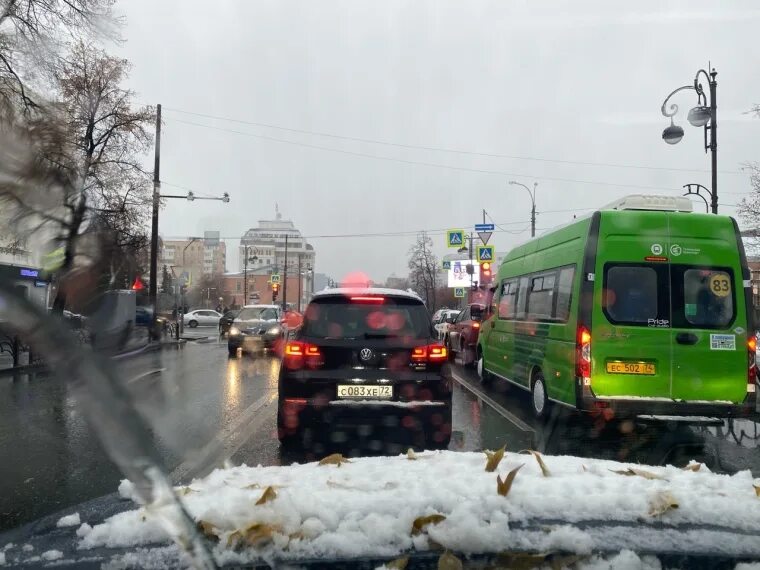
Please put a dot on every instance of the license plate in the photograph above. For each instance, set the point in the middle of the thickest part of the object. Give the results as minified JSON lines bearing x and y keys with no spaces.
{"x":641,"y":368}
{"x":363,"y":391}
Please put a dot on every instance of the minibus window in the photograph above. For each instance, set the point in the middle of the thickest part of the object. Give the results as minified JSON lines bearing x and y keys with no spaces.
{"x":708,"y":297}
{"x":631,"y":294}
{"x":508,"y":299}
{"x":564,"y":293}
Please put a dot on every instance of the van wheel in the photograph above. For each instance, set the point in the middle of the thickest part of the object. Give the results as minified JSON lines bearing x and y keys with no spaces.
{"x":538,"y":397}
{"x":483,"y":374}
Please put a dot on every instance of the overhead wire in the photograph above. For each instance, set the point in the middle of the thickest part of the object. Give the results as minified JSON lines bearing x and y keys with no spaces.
{"x":443,"y":149}
{"x":433,"y":164}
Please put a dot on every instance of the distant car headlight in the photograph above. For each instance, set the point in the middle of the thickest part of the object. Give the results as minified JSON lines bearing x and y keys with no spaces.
{"x":234,"y":331}
{"x":274,"y":330}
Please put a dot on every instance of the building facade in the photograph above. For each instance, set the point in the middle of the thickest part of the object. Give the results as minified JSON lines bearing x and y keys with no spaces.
{"x":270,"y":246}
{"x":260,"y":290}
{"x":194,"y":257}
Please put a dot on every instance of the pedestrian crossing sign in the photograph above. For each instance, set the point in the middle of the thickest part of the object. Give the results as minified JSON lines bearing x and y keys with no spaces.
{"x":459,"y":292}
{"x":446,"y":264}
{"x":485,"y":253}
{"x":274,"y":278}
{"x":454,"y":238}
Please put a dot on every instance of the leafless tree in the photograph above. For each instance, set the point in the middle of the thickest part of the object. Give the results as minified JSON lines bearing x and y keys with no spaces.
{"x":32,"y":33}
{"x":82,"y":161}
{"x":423,"y":270}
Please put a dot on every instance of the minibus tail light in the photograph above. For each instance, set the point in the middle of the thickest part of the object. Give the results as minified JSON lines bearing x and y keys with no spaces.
{"x":751,"y":364}
{"x":583,"y":356}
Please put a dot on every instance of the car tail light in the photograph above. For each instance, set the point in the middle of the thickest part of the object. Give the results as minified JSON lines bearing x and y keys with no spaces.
{"x":429,"y":353}
{"x":373,"y":299}
{"x":298,"y":354}
{"x":476,"y":325}
{"x":583,"y":355}
{"x":751,"y":364}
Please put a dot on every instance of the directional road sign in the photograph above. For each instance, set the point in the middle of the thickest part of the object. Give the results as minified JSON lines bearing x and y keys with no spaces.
{"x":484,"y":227}
{"x":485,"y":253}
{"x":274,"y":278}
{"x":485,"y":236}
{"x":459,"y":292}
{"x":455,"y":238}
{"x":446,"y":264}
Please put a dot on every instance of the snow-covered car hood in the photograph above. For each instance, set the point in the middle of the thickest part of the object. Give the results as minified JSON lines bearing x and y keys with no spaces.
{"x":420,"y":504}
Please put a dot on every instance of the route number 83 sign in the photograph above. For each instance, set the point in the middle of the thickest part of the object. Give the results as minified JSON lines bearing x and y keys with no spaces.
{"x":720,"y":285}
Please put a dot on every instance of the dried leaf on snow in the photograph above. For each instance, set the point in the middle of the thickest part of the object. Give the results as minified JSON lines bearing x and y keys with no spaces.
{"x":448,"y":561}
{"x":253,"y":535}
{"x":208,"y":530}
{"x":540,"y":460}
{"x":630,"y":472}
{"x":693,"y":467}
{"x":421,"y":522}
{"x":410,"y":455}
{"x":334,"y":459}
{"x":494,"y":458}
{"x":398,"y":563}
{"x":503,"y":487}
{"x":269,"y":494}
{"x":757,"y":490}
{"x":661,"y":503}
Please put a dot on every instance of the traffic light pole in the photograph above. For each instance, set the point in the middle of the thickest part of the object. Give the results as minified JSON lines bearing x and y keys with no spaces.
{"x":285,"y":279}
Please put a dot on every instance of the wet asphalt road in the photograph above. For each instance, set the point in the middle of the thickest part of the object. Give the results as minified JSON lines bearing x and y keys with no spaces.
{"x":206,"y":409}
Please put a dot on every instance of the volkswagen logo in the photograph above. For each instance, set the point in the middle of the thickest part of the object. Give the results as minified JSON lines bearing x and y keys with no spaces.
{"x":365,"y":354}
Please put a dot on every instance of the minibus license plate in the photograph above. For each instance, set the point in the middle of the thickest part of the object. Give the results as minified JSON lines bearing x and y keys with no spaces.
{"x":360,"y":391}
{"x":643,"y":368}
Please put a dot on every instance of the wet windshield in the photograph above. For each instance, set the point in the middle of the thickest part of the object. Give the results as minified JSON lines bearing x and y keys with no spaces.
{"x":257,"y":313}
{"x":349,"y":281}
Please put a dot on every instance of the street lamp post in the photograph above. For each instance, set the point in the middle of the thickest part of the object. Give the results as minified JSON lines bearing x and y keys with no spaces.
{"x":703,"y":115}
{"x":532,"y":195}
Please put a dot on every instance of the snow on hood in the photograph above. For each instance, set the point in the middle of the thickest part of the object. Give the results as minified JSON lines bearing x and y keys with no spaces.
{"x":370,"y":506}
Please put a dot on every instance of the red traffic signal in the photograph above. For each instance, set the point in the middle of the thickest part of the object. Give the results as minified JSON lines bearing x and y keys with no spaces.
{"x":485,"y":272}
{"x":138,"y":285}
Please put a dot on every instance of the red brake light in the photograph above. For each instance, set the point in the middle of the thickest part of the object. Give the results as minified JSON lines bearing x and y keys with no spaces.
{"x":583,"y":355}
{"x":298,"y":354}
{"x":368,"y":299}
{"x":429,"y":353}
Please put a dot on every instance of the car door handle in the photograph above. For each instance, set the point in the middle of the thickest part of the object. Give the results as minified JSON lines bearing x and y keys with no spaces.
{"x":686,"y":338}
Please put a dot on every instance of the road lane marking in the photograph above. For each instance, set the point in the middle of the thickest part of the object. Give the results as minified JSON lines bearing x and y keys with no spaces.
{"x":226,"y":442}
{"x":145,"y":374}
{"x":499,"y":409}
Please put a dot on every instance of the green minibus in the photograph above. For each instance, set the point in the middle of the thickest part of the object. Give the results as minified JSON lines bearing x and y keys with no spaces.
{"x":642,"y":307}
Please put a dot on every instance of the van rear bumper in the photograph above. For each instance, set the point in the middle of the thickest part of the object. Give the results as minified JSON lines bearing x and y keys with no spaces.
{"x":626,"y":407}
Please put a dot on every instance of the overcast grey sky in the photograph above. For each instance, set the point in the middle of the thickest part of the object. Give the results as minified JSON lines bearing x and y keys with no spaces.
{"x":565,"y":81}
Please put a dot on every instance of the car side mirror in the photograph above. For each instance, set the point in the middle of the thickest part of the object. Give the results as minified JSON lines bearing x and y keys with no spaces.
{"x":476,"y":315}
{"x":451,"y":320}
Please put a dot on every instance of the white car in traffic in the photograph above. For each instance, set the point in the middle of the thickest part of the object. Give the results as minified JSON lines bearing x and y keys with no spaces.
{"x":201,"y":318}
{"x":440,"y":321}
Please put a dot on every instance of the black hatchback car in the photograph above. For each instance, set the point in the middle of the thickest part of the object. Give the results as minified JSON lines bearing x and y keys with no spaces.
{"x":367,"y":361}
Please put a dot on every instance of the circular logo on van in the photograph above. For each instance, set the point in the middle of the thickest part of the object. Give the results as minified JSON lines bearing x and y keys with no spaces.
{"x":365,"y":354}
{"x":656,"y":249}
{"x":676,"y":250}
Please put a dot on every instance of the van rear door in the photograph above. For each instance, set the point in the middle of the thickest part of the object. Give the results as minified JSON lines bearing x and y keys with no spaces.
{"x":631,"y":349}
{"x":710,"y":325}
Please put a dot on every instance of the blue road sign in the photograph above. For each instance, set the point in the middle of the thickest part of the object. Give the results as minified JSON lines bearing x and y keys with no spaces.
{"x":485,"y":253}
{"x":484,"y":227}
{"x":446,"y":264}
{"x":455,"y":238}
{"x":459,"y":292}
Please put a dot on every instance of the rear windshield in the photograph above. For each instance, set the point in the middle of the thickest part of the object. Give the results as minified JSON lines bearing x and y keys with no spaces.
{"x":661,"y":295}
{"x":258,"y":313}
{"x":339,"y":317}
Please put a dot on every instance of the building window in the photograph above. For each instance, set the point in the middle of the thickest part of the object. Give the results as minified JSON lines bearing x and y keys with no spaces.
{"x":238,"y":286}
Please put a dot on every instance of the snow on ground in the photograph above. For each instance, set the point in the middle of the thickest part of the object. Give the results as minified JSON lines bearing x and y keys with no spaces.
{"x":369,"y":506}
{"x":69,"y":520}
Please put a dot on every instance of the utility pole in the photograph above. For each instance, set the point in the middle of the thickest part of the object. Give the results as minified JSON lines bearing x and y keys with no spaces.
{"x":714,"y":139}
{"x":245,"y":276}
{"x":300,"y":283}
{"x":152,"y":290}
{"x":285,"y":278}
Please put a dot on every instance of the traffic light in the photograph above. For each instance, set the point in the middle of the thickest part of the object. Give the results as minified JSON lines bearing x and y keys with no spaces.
{"x":485,"y":273}
{"x":138,"y":285}
{"x":275,"y":291}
